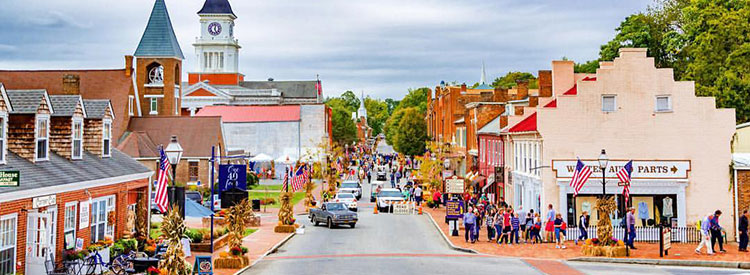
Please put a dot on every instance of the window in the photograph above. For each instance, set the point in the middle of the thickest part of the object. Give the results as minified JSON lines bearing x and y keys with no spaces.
{"x":107,"y":138}
{"x":77,"y":138}
{"x":508,"y":109}
{"x":155,"y":74}
{"x":8,"y":232}
{"x":3,"y":119}
{"x":69,"y":233}
{"x":130,"y":104}
{"x":154,"y":106}
{"x":663,"y":103}
{"x":42,"y":137}
{"x":193,"y":170}
{"x":608,"y":103}
{"x":100,"y":226}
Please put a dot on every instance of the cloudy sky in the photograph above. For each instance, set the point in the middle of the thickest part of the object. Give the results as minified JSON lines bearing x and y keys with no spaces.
{"x":380,"y":47}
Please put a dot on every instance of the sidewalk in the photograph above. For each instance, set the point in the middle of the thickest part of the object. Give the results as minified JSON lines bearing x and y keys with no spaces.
{"x":679,"y":251}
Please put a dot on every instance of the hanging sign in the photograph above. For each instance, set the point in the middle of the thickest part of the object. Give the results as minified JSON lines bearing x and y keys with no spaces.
{"x":83,"y":221}
{"x":642,"y":169}
{"x":232,"y":176}
{"x":10,"y":178}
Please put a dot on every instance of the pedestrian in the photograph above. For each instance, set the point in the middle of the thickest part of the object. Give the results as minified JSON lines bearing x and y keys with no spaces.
{"x":558,"y":222}
{"x":498,"y":224}
{"x":515,"y":226}
{"x":393,"y":178}
{"x":405,"y":193}
{"x":490,"y":222}
{"x":549,"y":226}
{"x":436,"y":198}
{"x":507,"y":226}
{"x":705,"y":236}
{"x":418,"y":195}
{"x":716,"y":232}
{"x":743,"y":231}
{"x":528,"y":226}
{"x":583,"y":225}
{"x":369,"y":176}
{"x":630,"y":224}
{"x":536,"y":237}
{"x":469,"y":220}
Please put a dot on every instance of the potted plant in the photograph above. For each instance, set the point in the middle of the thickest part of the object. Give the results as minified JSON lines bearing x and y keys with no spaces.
{"x":73,"y":260}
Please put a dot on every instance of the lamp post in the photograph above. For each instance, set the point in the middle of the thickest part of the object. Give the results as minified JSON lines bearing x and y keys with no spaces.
{"x":603,"y":161}
{"x":174,"y":154}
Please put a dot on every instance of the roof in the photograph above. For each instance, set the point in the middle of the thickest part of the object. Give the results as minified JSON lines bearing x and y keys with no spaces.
{"x":60,"y":171}
{"x":528,"y":124}
{"x":65,"y":105}
{"x":483,"y":86}
{"x":195,"y":134}
{"x":304,"y":88}
{"x":96,"y":108}
{"x":492,"y":128}
{"x":741,"y":160}
{"x":743,"y":125}
{"x":551,"y":104}
{"x":245,"y":114}
{"x":217,"y":7}
{"x":572,"y":91}
{"x":27,"y":101}
{"x":159,"y":39}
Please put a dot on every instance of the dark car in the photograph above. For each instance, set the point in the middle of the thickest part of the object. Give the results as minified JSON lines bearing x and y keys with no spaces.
{"x":333,"y":214}
{"x":194,"y":196}
{"x":154,"y":208}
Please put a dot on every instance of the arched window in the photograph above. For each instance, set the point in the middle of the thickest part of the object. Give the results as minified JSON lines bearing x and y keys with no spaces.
{"x":155,"y":73}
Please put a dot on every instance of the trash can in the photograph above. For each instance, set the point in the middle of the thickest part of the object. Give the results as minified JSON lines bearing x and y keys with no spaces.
{"x":256,"y":205}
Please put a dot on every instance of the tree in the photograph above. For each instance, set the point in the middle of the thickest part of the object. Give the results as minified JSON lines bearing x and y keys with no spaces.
{"x":416,"y":98}
{"x":351,"y":100}
{"x":509,"y":80}
{"x":377,"y":114}
{"x":337,"y":102}
{"x":392,"y":104}
{"x":344,"y":130}
{"x":391,"y":126}
{"x":411,"y":133}
{"x":588,"y":67}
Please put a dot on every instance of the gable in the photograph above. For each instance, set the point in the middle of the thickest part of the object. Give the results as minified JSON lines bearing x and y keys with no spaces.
{"x":201,"y":92}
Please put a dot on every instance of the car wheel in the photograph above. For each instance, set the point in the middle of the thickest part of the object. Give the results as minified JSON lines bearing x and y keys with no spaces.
{"x":352,"y":224}
{"x":315,"y":222}
{"x":330,"y":223}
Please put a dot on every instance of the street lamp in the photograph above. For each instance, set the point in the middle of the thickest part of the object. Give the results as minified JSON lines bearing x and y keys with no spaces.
{"x":603,"y":161}
{"x":174,"y":154}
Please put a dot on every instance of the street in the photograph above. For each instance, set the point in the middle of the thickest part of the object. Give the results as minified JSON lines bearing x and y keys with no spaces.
{"x":394,"y":244}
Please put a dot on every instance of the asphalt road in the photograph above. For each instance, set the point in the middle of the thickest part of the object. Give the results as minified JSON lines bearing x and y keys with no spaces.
{"x":392,"y":244}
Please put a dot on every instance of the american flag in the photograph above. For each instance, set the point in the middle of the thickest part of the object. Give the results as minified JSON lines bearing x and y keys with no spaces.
{"x":162,"y":181}
{"x":625,"y":176}
{"x":580,"y":176}
{"x":299,"y":177}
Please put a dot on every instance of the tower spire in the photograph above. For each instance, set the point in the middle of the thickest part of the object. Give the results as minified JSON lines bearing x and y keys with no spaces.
{"x":483,"y":78}
{"x":159,"y":39}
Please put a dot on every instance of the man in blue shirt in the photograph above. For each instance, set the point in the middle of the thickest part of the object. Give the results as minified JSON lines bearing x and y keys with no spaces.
{"x":630,"y":223}
{"x":716,"y":232}
{"x":469,"y":221}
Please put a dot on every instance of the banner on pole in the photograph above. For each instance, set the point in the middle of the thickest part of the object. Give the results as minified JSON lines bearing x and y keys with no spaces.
{"x":232,"y":176}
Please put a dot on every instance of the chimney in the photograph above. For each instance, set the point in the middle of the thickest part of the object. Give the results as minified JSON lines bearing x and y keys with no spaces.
{"x":533,"y":101}
{"x":545,"y":83}
{"x":523,"y":89}
{"x":518,"y":110}
{"x":71,"y":84}
{"x":128,"y":65}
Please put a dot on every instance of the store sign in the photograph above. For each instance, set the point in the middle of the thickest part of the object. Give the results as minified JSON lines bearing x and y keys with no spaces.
{"x":454,"y":185}
{"x":642,"y":169}
{"x":10,"y":178}
{"x":454,"y":209}
{"x":43,"y":201}
{"x":232,"y":176}
{"x":83,"y":221}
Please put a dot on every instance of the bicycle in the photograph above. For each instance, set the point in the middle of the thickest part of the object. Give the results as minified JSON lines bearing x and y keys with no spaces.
{"x":120,"y":265}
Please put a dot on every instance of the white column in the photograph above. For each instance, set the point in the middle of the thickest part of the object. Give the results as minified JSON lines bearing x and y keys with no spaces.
{"x":563,"y":207}
{"x":681,"y":206}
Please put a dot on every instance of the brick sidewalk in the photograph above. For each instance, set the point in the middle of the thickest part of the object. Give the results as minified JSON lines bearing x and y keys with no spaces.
{"x":679,"y":251}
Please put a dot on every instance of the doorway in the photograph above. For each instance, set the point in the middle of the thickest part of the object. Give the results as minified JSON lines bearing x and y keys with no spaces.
{"x":37,"y":241}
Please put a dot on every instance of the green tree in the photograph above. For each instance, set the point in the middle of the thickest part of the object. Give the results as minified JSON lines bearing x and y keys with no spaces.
{"x":411,"y":133}
{"x":392,"y":104}
{"x":509,"y":80}
{"x":351,"y":100}
{"x":337,"y":102}
{"x":377,"y":114}
{"x":344,"y":130}
{"x":391,"y":126}
{"x":416,"y":98}
{"x":588,"y":67}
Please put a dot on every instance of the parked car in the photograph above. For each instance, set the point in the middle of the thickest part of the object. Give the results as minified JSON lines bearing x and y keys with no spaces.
{"x":351,"y":186}
{"x":333,"y":214}
{"x":154,"y":208}
{"x":348,"y":199}
{"x":386,"y":196}
{"x":194,"y":196}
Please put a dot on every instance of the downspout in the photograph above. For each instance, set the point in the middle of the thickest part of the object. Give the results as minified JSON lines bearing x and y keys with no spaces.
{"x":736,"y":207}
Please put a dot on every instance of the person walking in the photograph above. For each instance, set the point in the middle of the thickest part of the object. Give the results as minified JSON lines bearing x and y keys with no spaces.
{"x":535,"y":233}
{"x":583,"y":225}
{"x":498,"y":223}
{"x":515,"y":226}
{"x":469,"y":221}
{"x":630,"y":223}
{"x":418,"y":195}
{"x":436,"y":198}
{"x":558,"y":223}
{"x":369,"y":175}
{"x":705,"y":236}
{"x":490,"y":222}
{"x":716,"y":232}
{"x":743,"y":231}
{"x":549,"y":227}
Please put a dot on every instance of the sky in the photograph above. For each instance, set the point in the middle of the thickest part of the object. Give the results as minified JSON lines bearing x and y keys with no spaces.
{"x":381,"y":48}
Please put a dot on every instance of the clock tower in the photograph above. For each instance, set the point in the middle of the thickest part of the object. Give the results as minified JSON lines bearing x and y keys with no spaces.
{"x":216,"y":49}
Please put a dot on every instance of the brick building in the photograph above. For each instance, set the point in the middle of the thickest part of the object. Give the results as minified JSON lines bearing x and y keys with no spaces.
{"x":70,"y":182}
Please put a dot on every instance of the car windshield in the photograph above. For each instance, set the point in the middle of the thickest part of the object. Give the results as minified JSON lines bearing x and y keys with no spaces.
{"x":335,"y":206}
{"x":390,"y":194}
{"x":345,"y":196}
{"x":349,"y":185}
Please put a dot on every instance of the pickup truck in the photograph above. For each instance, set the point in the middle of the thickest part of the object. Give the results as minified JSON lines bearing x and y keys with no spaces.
{"x":333,"y":214}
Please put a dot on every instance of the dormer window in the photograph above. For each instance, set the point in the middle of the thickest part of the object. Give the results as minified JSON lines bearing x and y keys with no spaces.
{"x":42,"y":137}
{"x":107,"y":138}
{"x":77,"y":144}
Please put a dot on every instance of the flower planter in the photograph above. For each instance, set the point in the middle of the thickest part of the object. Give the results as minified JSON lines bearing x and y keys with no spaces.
{"x":231,"y":262}
{"x":604,"y":251}
{"x":206,"y":246}
{"x":251,"y":221}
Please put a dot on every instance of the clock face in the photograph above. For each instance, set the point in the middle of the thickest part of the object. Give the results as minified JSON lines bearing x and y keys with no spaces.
{"x":214,"y":28}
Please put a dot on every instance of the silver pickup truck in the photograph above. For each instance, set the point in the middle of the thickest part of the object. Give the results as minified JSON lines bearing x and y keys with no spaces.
{"x":333,"y":214}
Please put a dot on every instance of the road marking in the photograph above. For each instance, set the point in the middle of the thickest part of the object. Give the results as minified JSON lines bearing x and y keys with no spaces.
{"x":551,"y":267}
{"x":382,"y":255}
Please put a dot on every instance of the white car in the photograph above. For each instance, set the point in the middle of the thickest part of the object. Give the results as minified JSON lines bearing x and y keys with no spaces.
{"x":386,"y":196}
{"x":348,"y":199}
{"x":352,"y":187}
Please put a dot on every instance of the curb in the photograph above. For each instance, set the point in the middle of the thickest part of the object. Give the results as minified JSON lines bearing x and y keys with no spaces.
{"x":692,"y":263}
{"x":270,"y":251}
{"x":447,"y":241}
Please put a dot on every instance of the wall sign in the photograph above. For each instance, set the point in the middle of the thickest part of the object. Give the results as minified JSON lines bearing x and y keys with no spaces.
{"x":642,"y":169}
{"x":43,"y":201}
{"x":83,"y":220}
{"x":10,"y":178}
{"x":454,"y":185}
{"x":232,"y":176}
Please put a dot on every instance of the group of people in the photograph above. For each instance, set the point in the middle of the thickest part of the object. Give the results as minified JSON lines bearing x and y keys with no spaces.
{"x":712,"y":233}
